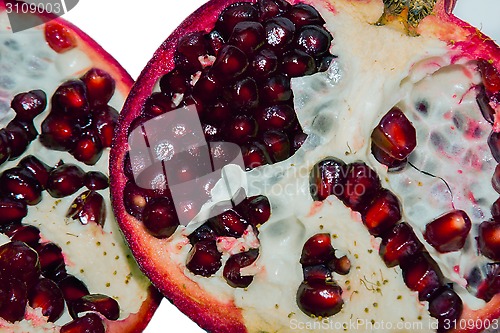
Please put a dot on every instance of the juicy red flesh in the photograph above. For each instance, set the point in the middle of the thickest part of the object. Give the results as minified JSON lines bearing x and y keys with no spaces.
{"x":103,"y":304}
{"x":204,"y":259}
{"x":25,"y":233}
{"x":51,"y":259}
{"x":393,"y":164}
{"x":12,"y":211}
{"x":88,"y":207}
{"x":229,"y":223}
{"x":19,"y":184}
{"x":38,"y":169}
{"x":317,"y":250}
{"x":19,"y":262}
{"x":446,"y":306}
{"x":160,"y":218}
{"x":90,"y":322}
{"x":95,"y":181}
{"x":100,"y":86}
{"x":399,"y":245}
{"x":489,"y":239}
{"x":65,"y":180}
{"x":422,"y":274}
{"x":47,"y":296}
{"x":256,"y":210}
{"x":319,"y":298}
{"x":72,"y":288}
{"x":59,"y":38}
{"x":361,"y":185}
{"x":234,"y":264}
{"x":28,"y":105}
{"x":327,"y":178}
{"x":490,"y":286}
{"x":448,"y":232}
{"x":382,"y":213}
{"x":317,"y":273}
{"x":13,"y":298}
{"x":341,"y":265}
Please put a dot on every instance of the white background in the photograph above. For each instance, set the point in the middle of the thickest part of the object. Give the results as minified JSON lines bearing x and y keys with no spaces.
{"x":131,"y":33}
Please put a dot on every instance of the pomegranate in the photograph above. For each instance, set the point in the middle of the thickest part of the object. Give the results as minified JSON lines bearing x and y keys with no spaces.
{"x":365,"y":198}
{"x":61,"y":252}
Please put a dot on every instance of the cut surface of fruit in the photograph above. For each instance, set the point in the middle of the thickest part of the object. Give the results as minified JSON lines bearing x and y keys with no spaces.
{"x":48,"y":259}
{"x":375,"y":188}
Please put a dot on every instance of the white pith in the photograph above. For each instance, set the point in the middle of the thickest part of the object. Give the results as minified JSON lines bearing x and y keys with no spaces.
{"x":97,"y":256}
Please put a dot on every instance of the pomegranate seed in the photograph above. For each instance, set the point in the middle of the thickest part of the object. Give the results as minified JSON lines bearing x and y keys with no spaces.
{"x":263,"y":64}
{"x":19,"y":184}
{"x":100,"y":86}
{"x":12,"y":211}
{"x":446,"y":306}
{"x":247,"y":36}
{"x":25,"y":233}
{"x":302,"y":14}
{"x":38,"y":169}
{"x":211,"y":133}
{"x":395,"y":134}
{"x":495,"y":180}
{"x":448,"y":232}
{"x":490,"y":75}
{"x":72,"y":288}
{"x":234,"y":14}
{"x":96,"y":180}
{"x":196,"y":102}
{"x":279,"y":116}
{"x":88,"y":149}
{"x":175,"y":82}
{"x":491,"y":285}
{"x":313,"y":40}
{"x":29,"y":104}
{"x":18,"y":139}
{"x":382,"y":213}
{"x":298,"y":140}
{"x":489,"y":239}
{"x":277,"y":145}
{"x":90,"y":322}
{"x":189,"y":48}
{"x":399,"y":244}
{"x":135,"y":199}
{"x":327,"y":178}
{"x":254,"y":155}
{"x":392,"y":164}
{"x":47,"y":296}
{"x":422,"y":274}
{"x":103,"y":304}
{"x":495,"y":210}
{"x":71,"y":97}
{"x":218,"y":113}
{"x":20,"y":262}
{"x":104,"y":119}
{"x":157,"y":104}
{"x":59,"y":132}
{"x":275,"y":89}
{"x":256,"y":210}
{"x":234,"y":264}
{"x":51,"y":258}
{"x":241,"y":128}
{"x":272,"y":8}
{"x":59,"y":38}
{"x":207,"y":88}
{"x":65,"y":180}
{"x":494,"y":144}
{"x":483,"y":101}
{"x":317,"y":250}
{"x":342,"y":265}
{"x":203,"y":233}
{"x":231,"y":62}
{"x":160,"y":218}
{"x":243,"y":94}
{"x":319,"y":298}
{"x":319,"y":273}
{"x":5,"y":149}
{"x":298,"y":63}
{"x":280,"y":32}
{"x":13,"y":298}
{"x":204,"y":259}
{"x":229,"y":223}
{"x":361,"y":185}
{"x":88,"y":207}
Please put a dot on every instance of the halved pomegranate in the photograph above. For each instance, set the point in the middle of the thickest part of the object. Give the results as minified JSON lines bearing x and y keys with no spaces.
{"x":61,"y":251}
{"x":363,"y":199}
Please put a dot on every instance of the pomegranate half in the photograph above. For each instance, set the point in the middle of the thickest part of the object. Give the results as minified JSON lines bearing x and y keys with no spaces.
{"x":366,"y":198}
{"x":64,"y":266}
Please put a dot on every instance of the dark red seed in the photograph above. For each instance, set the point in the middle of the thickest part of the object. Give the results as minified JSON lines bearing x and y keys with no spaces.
{"x":218,"y":113}
{"x":448,"y":232}
{"x":47,"y":296}
{"x":88,"y":149}
{"x":243,"y":94}
{"x":490,"y":76}
{"x":100,"y":86}
{"x":276,"y":89}
{"x":495,"y":180}
{"x":207,"y":88}
{"x":203,"y":233}
{"x":229,"y":223}
{"x":361,"y":185}
{"x":319,"y":298}
{"x":280,"y":32}
{"x":204,"y":259}
{"x":230,"y":63}
{"x":104,"y":119}
{"x":399,"y":245}
{"x":279,"y":116}
{"x":248,"y":36}
{"x":263,"y":64}
{"x":211,"y":133}
{"x":494,"y":144}
{"x":297,"y":63}
{"x":422,"y":274}
{"x":51,"y":258}
{"x":19,"y":261}
{"x":277,"y":145}
{"x":298,"y":140}
{"x":103,"y":304}
{"x":317,"y":250}
{"x":233,"y":266}
{"x":13,"y":298}
{"x":257,"y":210}
{"x":319,"y":273}
{"x":342,"y":265}
{"x":382,"y":213}
{"x":88,"y":207}
{"x":489,"y":239}
{"x":254,"y":155}
{"x":313,"y":40}
{"x":157,"y":104}
{"x":483,"y":102}
{"x":189,"y":48}
{"x":327,"y":178}
{"x":17,"y":138}
{"x":72,"y":288}
{"x":30,"y":104}
{"x":135,"y":199}
{"x":59,"y":132}
{"x":39,"y":169}
{"x":25,"y":126}
{"x":446,"y":306}
{"x":272,"y":8}
{"x":215,"y":42}
{"x":392,"y":164}
{"x":96,"y":180}
{"x":395,"y":134}
{"x":12,"y":210}
{"x":89,"y":323}
{"x":25,"y":233}
{"x":232,"y":15}
{"x":160,"y":218}
{"x":65,"y":180}
{"x":491,"y":284}
{"x":5,"y":149}
{"x":241,"y":129}
{"x":190,"y":100}
{"x":71,"y":97}
{"x":19,"y":184}
{"x":302,"y":14}
{"x":59,"y":37}
{"x":175,"y":82}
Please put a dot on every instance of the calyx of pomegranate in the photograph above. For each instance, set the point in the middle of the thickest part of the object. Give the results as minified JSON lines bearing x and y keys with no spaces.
{"x":370,"y":167}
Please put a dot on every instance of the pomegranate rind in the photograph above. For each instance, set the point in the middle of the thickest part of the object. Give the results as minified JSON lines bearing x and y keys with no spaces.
{"x":135,"y":322}
{"x":152,"y":255}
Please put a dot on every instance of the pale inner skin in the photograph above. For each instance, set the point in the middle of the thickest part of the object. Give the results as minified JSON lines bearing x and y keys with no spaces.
{"x":27,"y":63}
{"x":377,"y":68}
